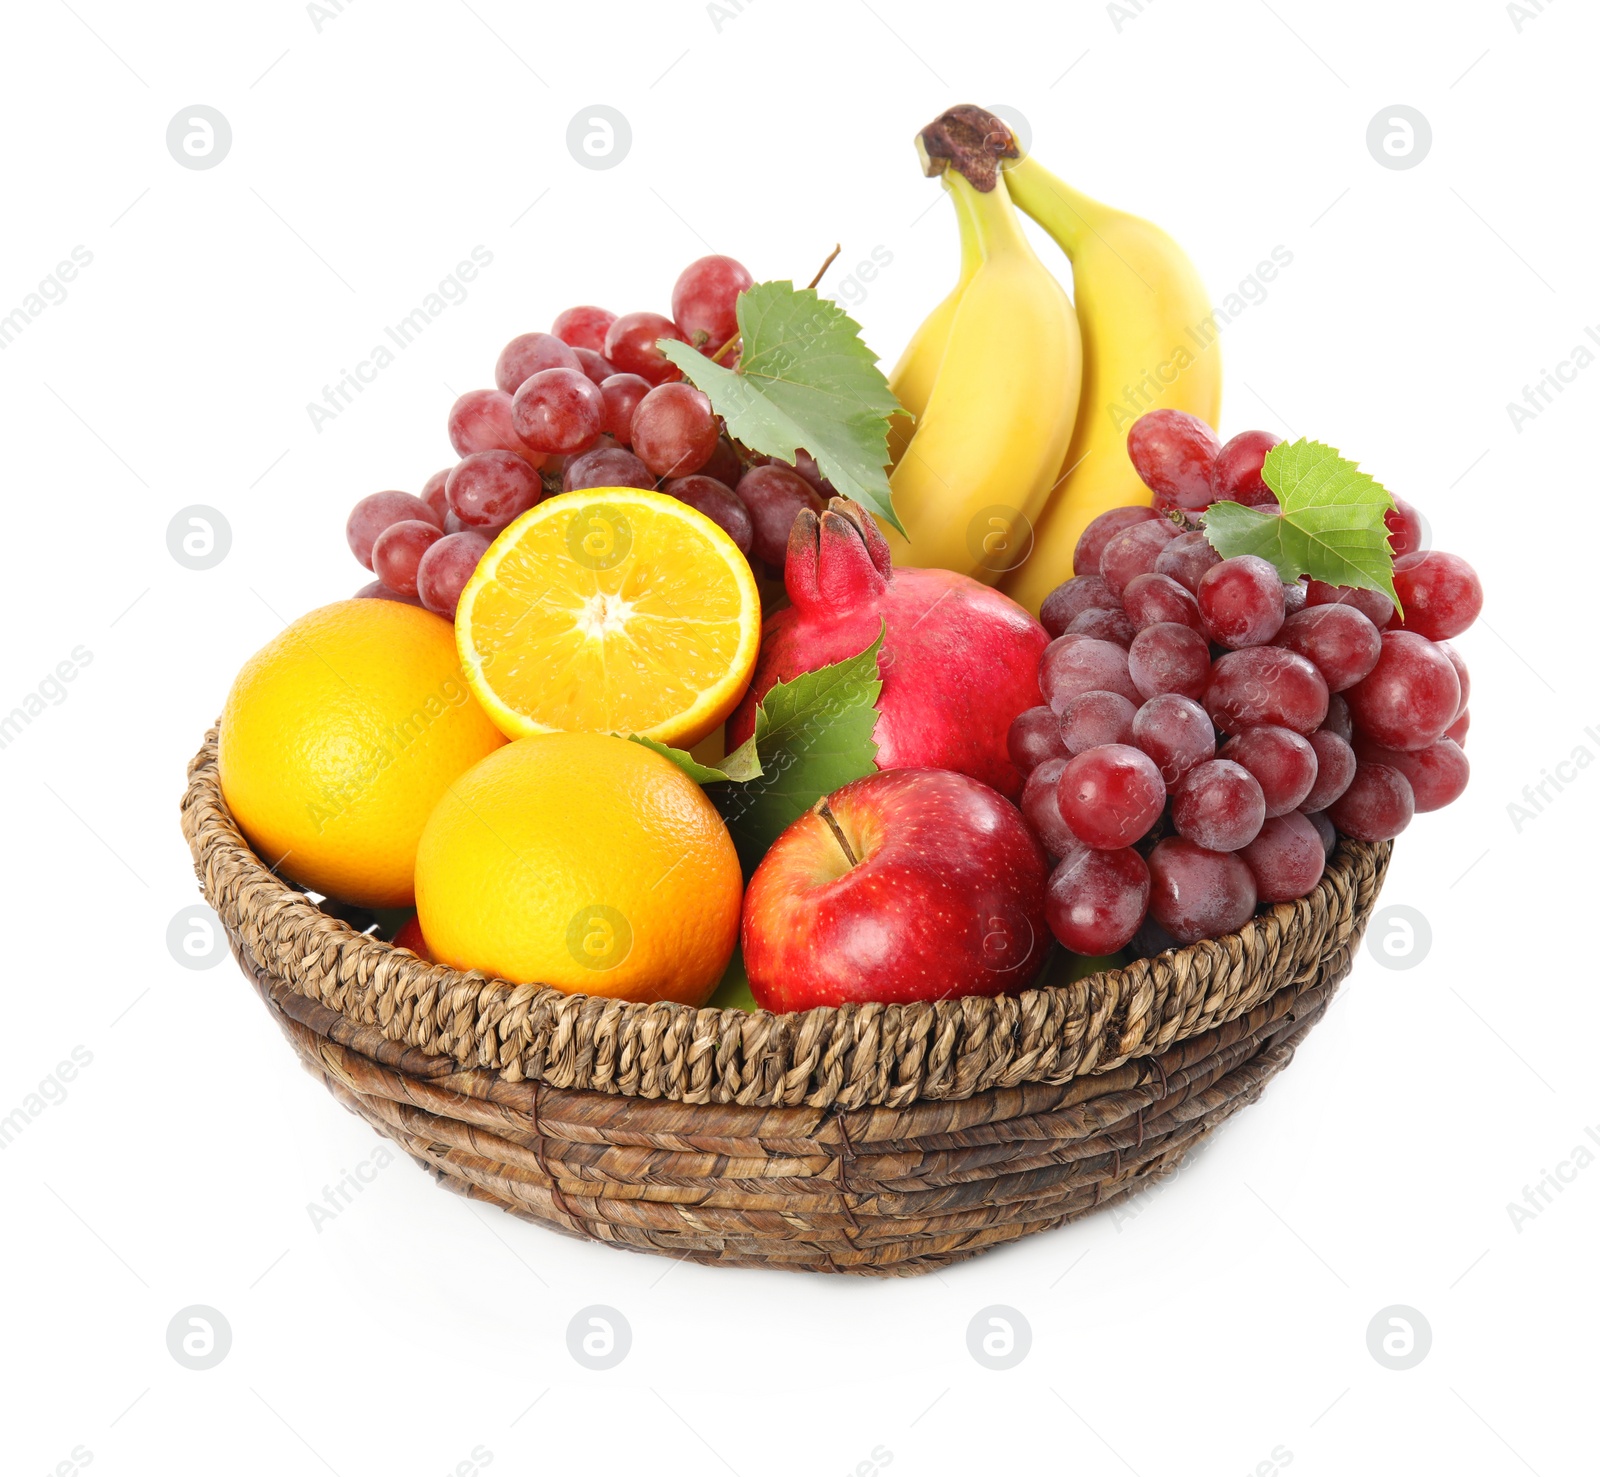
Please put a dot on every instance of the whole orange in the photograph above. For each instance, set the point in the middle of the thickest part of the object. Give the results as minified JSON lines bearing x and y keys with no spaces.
{"x":337,"y":739}
{"x":582,"y":861}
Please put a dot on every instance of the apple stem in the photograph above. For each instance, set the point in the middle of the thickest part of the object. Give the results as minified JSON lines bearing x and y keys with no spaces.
{"x":838,"y":834}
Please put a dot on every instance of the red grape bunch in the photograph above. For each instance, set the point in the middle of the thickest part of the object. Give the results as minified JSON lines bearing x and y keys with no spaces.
{"x":1207,"y":731}
{"x":592,"y":403}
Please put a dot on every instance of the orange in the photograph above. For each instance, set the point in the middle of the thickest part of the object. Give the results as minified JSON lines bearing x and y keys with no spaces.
{"x":339,"y":736}
{"x":610,"y":610}
{"x":585,"y":862}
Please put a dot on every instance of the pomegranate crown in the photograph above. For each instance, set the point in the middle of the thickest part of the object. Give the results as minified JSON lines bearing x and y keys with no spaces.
{"x":837,"y":559}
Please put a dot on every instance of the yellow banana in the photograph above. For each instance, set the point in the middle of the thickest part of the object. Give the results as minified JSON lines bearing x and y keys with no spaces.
{"x":1149,"y":340}
{"x":913,"y":375}
{"x":989,"y":443}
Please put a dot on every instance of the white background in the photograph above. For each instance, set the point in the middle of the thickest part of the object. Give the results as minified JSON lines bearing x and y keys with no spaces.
{"x":1212,"y":1322}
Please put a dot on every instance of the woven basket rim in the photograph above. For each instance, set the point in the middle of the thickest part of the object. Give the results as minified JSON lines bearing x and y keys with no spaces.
{"x":844,"y":1057}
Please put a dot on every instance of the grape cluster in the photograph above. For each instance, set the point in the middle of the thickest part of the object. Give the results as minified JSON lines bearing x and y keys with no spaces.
{"x":1207,"y":730}
{"x":592,"y":403}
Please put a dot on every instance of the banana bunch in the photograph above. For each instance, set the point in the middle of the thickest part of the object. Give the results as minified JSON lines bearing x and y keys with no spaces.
{"x":1148,"y":341}
{"x":991,"y":381}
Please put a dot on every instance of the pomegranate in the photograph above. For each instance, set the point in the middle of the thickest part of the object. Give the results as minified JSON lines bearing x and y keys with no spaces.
{"x":959,"y":661}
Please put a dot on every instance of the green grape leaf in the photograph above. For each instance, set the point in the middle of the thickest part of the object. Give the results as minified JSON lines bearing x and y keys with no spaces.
{"x":733,"y":990}
{"x":1331,"y":526}
{"x":812,"y":735}
{"x":805,"y":381}
{"x":743,"y":764}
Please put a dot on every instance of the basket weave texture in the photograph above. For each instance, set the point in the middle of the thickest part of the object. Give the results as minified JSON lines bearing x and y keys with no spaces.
{"x":886,"y":1139}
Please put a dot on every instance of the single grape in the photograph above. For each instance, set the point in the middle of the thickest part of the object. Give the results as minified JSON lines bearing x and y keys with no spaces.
{"x":1410,"y":697}
{"x":397,"y":551}
{"x":1437,"y":774}
{"x":480,"y":420}
{"x":1110,"y":796}
{"x":445,"y":568}
{"x":1374,"y":604}
{"x":1150,"y":599}
{"x":1241,"y":602}
{"x":1176,"y":733}
{"x":1377,"y":806}
{"x":1218,"y":805}
{"x":1265,"y":684}
{"x":1167,"y":657}
{"x":1092,"y":543}
{"x":583,"y":328}
{"x":719,"y":503}
{"x":453,"y":524}
{"x":622,"y":394}
{"x":1102,"y":625}
{"x":1096,"y":900}
{"x":723,"y":464}
{"x":1187,"y":558}
{"x":1151,"y":939}
{"x":596,"y":366}
{"x":1325,"y":831}
{"x":1080,"y":593}
{"x":1336,"y":767}
{"x":433,"y":495}
{"x":490,"y":488}
{"x":1404,"y":523}
{"x":1077,"y":664}
{"x":378,"y":511}
{"x":1284,"y":765}
{"x":559,"y":410}
{"x":1236,"y":473}
{"x":1457,"y":731}
{"x":704,"y":300}
{"x":1134,"y":551}
{"x":1034,"y":736}
{"x":1042,"y":810}
{"x":806,"y":465}
{"x":631,"y":346}
{"x":1462,"y":675}
{"x":1337,"y":640}
{"x":1287,"y":859}
{"x":606,"y":467}
{"x":1198,"y":894}
{"x":774,"y":497}
{"x":1173,"y":452}
{"x":1294,"y":598}
{"x":1095,"y":718}
{"x":674,"y":431}
{"x":1338,"y":720}
{"x":377,"y":590}
{"x":1440,"y":594}
{"x":526,"y":355}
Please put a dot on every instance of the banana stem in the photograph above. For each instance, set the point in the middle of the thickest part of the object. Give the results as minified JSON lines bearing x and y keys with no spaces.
{"x":990,"y":223}
{"x":1066,"y":213}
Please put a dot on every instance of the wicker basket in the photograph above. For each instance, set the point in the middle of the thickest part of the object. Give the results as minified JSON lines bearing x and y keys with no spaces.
{"x":879,"y":1139}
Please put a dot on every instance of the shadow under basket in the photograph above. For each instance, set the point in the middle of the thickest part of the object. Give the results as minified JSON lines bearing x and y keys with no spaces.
{"x":879,"y":1139}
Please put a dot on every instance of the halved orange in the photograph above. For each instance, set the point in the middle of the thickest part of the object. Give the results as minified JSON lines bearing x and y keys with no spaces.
{"x":610,"y":610}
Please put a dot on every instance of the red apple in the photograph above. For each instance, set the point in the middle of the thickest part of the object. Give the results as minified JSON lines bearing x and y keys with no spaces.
{"x":910,"y":884}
